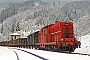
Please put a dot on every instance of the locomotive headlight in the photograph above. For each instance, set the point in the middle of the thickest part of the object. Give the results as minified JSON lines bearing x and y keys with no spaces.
{"x":62,"y":39}
{"x":64,"y":44}
{"x":73,"y":40}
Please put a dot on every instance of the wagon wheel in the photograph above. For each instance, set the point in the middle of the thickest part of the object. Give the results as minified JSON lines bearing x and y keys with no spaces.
{"x":53,"y":48}
{"x":46,"y":48}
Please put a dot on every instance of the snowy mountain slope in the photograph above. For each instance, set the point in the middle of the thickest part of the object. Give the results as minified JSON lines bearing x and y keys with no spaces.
{"x":82,"y":26}
{"x":77,"y":9}
{"x":13,"y":8}
{"x":37,"y":17}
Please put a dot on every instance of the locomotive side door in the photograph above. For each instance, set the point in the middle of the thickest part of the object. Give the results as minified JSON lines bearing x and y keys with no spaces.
{"x":56,"y":35}
{"x":56,"y":38}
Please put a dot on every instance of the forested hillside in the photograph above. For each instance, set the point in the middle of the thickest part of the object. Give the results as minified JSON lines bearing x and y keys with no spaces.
{"x":32,"y":18}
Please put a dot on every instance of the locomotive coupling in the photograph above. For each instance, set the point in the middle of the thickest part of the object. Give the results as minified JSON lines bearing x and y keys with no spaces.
{"x":79,"y":44}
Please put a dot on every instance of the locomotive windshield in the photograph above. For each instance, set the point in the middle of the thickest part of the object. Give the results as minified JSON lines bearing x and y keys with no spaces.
{"x":67,"y":30}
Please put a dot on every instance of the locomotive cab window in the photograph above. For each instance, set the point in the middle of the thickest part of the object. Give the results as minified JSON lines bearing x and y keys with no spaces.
{"x":46,"y":31}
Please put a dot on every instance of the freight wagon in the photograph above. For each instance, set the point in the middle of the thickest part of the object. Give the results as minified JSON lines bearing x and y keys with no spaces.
{"x":32,"y":39}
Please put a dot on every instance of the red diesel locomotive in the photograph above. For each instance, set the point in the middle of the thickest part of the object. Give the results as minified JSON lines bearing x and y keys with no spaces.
{"x":57,"y":37}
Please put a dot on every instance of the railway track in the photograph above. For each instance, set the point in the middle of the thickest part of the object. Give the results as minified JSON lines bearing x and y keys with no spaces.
{"x":76,"y":53}
{"x":16,"y":55}
{"x":67,"y":52}
{"x":33,"y":54}
{"x":40,"y":57}
{"x":60,"y":52}
{"x":80,"y":54}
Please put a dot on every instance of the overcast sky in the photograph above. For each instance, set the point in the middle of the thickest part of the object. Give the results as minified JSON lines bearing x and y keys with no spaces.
{"x":59,"y":0}
{"x":9,"y":1}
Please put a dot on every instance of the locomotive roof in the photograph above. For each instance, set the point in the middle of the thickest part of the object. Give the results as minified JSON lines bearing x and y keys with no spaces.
{"x":47,"y":26}
{"x":33,"y":32}
{"x":54,"y":23}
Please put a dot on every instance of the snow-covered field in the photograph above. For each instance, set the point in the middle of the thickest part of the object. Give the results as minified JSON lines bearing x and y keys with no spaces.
{"x":8,"y":53}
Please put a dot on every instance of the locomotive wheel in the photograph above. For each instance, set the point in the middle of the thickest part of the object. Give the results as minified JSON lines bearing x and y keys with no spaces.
{"x":62,"y":49}
{"x":46,"y":48}
{"x":32,"y":47}
{"x":52,"y":48}
{"x":29,"y":47}
{"x":70,"y":48}
{"x":55,"y":49}
{"x":59,"y":49}
{"x":35,"y":47}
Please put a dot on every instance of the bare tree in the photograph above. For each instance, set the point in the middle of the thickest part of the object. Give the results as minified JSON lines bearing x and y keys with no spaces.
{"x":18,"y":27}
{"x":2,"y":29}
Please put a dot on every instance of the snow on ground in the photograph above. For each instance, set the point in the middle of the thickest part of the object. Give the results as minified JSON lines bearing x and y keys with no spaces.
{"x":25,"y":56}
{"x":85,"y":41}
{"x":83,"y":50}
{"x":57,"y":56}
{"x":36,"y":54}
{"x":85,"y":44}
{"x":7,"y":54}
